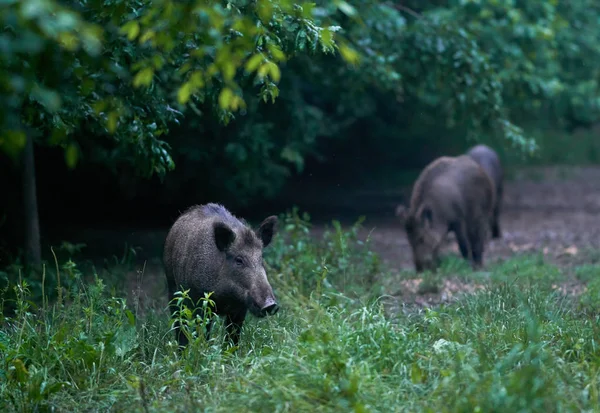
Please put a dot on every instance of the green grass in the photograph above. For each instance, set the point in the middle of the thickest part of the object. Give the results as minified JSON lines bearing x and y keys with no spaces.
{"x":515,"y":347}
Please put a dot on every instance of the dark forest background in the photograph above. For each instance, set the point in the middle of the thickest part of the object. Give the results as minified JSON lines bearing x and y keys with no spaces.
{"x":405,"y":82}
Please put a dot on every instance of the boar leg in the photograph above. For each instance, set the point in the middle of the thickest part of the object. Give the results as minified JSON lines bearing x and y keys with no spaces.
{"x":496,"y":232}
{"x":462,"y":239}
{"x":233,"y":326}
{"x":477,"y":238}
{"x":495,"y":227}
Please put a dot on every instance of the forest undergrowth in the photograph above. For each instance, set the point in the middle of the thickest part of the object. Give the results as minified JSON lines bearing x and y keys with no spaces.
{"x":515,"y":344}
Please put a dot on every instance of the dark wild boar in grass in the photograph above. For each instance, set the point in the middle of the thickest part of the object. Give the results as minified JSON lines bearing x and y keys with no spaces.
{"x":488,"y":159}
{"x":210,"y":250}
{"x":452,"y":194}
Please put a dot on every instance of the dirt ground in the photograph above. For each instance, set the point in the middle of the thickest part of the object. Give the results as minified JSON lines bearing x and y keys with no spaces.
{"x":555,"y":211}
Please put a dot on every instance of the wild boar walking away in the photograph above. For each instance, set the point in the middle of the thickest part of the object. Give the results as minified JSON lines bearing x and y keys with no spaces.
{"x":451,"y":194}
{"x":488,"y":159}
{"x":209,"y":249}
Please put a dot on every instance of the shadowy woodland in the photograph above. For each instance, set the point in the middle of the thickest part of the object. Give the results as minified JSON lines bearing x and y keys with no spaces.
{"x":118,"y":115}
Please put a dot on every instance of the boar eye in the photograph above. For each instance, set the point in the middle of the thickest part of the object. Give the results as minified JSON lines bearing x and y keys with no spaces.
{"x":239,"y":261}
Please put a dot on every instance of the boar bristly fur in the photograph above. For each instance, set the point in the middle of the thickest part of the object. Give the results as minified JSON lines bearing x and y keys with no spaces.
{"x":488,"y":159}
{"x":210,"y":250}
{"x":452,"y":194}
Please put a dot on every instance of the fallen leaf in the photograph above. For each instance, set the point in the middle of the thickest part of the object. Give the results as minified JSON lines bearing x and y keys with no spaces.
{"x":571,"y":250}
{"x":524,"y":247}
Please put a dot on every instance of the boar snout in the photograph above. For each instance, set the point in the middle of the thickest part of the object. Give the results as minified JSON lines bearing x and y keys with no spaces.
{"x":270,"y":308}
{"x":263,"y":306}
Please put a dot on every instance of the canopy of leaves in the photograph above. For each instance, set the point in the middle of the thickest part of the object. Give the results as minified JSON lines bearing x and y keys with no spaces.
{"x":431,"y":74}
{"x":110,"y":78}
{"x":126,"y":69}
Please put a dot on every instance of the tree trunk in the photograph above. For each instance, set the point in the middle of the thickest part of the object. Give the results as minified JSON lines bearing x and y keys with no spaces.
{"x":33,"y":247}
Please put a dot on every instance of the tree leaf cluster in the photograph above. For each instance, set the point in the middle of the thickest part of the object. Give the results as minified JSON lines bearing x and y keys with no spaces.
{"x":151,"y":84}
{"x":110,"y":77}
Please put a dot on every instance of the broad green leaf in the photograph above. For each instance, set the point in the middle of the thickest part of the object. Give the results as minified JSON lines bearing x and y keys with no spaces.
{"x":265,"y":10}
{"x":66,"y":20}
{"x":91,"y":37}
{"x":225,"y":98}
{"x":184,"y":68}
{"x":212,"y":70}
{"x":131,"y":29}
{"x":196,"y":79}
{"x":293,"y":156}
{"x":99,"y":106}
{"x":346,"y":8}
{"x":143,"y":77}
{"x":112,"y":121}
{"x":327,"y":37}
{"x":184,"y":93}
{"x":130,"y":317}
{"x":158,"y":61}
{"x":253,"y":62}
{"x":307,"y":9}
{"x":228,"y":70}
{"x":58,"y":136}
{"x":264,"y":69}
{"x":275,"y":72}
{"x":20,"y":373}
{"x":69,"y":41}
{"x":12,"y":142}
{"x":147,"y":36}
{"x":234,"y":103}
{"x":276,"y":52}
{"x":50,"y":99}
{"x":71,"y":155}
{"x":349,"y":55}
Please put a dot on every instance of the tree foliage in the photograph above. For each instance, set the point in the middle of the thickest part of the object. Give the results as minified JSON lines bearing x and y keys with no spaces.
{"x":431,"y":74}
{"x":545,"y":54}
{"x":127,"y":69}
{"x":109,"y":80}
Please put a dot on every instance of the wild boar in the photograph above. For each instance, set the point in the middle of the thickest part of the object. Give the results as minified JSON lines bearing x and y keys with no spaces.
{"x":451,"y":194}
{"x":210,"y":250}
{"x":488,"y":159}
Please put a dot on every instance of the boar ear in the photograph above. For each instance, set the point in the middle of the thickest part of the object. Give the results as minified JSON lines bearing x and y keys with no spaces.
{"x":267,"y":229}
{"x":224,"y":236}
{"x":401,"y":213}
{"x":426,"y":216}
